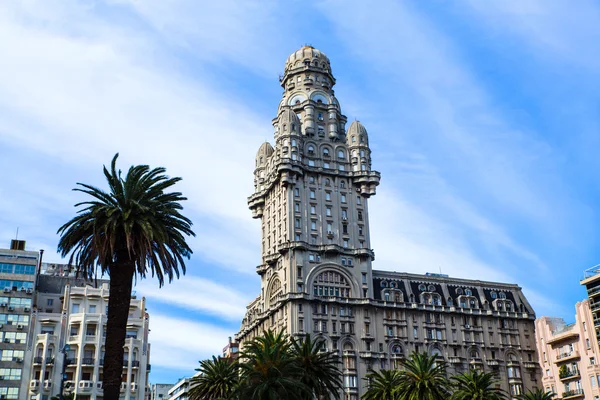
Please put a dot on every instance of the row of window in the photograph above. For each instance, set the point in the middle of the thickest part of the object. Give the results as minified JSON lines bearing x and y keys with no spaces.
{"x":11,"y":355}
{"x":10,"y":374}
{"x":13,"y":337}
{"x":9,"y":268}
{"x":325,"y":309}
{"x":9,"y":393}
{"x":17,"y":302}
{"x":15,"y":285}
{"x":14,"y":319}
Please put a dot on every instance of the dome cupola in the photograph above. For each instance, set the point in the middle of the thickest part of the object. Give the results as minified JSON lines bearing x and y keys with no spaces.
{"x":289,"y":123}
{"x":262,"y":155}
{"x":357,"y":135}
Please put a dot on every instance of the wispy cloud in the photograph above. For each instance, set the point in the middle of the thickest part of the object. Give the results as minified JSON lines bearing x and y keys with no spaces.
{"x":198,"y":294}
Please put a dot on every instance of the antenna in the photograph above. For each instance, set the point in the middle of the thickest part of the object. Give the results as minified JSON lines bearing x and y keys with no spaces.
{"x":17,"y":236}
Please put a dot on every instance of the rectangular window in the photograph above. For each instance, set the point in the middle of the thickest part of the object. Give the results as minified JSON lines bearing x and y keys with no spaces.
{"x":297,"y":207}
{"x":299,"y":272}
{"x":326,"y":165}
{"x":313,"y":210}
{"x":296,"y":192}
{"x":360,"y":230}
{"x":329,"y":228}
{"x":75,"y":308}
{"x":92,"y":309}
{"x":364,"y":278}
{"x":341,"y":167}
{"x":328,"y":211}
{"x":297,"y":223}
{"x":311,"y":163}
{"x":328,"y":196}
{"x":297,"y":238}
{"x":345,"y":243}
{"x":360,"y":218}
{"x":345,"y":229}
{"x":343,"y":198}
{"x":313,"y":194}
{"x":358,"y":200}
{"x":50,"y":302}
{"x":415,"y":333}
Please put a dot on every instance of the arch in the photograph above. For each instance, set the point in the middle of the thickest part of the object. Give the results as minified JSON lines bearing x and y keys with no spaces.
{"x":331,"y":283}
{"x":326,"y":150}
{"x":273,"y":290}
{"x":318,"y":95}
{"x":511,"y":356}
{"x":296,"y":99}
{"x":435,"y":350}
{"x":310,"y":277}
{"x":474,"y":352}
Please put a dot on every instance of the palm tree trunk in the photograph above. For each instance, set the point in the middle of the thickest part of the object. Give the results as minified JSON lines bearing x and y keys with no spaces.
{"x":121,"y":281}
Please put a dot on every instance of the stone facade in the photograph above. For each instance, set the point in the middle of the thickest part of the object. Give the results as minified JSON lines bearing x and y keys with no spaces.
{"x":569,"y":355}
{"x":312,"y":192}
{"x":72,"y":312}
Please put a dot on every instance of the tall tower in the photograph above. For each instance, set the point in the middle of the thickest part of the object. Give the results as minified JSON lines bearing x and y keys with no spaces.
{"x":311,"y":194}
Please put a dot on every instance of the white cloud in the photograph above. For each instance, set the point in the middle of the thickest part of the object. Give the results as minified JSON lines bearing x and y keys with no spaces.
{"x":198,"y":294}
{"x":180,"y":344}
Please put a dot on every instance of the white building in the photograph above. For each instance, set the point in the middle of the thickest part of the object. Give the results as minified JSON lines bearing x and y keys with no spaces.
{"x":160,"y":391}
{"x":180,"y":390}
{"x":67,"y":314}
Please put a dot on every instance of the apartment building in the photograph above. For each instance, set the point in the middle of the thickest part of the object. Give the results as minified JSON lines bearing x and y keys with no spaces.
{"x":180,"y":390}
{"x":68,"y":335}
{"x":569,"y":355}
{"x":312,"y":192}
{"x":18,"y":269}
{"x":160,"y":391}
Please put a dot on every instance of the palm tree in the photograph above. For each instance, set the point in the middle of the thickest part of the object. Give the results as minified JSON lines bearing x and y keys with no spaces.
{"x":383,"y":385}
{"x":475,"y":385}
{"x":423,"y":378}
{"x":218,"y":379}
{"x":269,"y":370}
{"x":319,"y":368}
{"x":132,"y":228}
{"x":537,"y":394}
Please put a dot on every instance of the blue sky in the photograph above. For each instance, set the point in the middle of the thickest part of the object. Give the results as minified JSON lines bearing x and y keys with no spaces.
{"x":483,"y":119}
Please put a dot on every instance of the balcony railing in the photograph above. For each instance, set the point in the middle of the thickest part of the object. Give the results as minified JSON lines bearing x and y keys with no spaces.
{"x":135,"y":364}
{"x":50,"y":360}
{"x":37,"y":360}
{"x":565,"y":356}
{"x":71,"y":361}
{"x":568,"y":375}
{"x":87,"y":361}
{"x":572,"y":393}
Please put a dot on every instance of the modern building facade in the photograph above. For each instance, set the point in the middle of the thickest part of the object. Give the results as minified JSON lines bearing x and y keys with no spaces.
{"x":180,"y":390}
{"x":70,"y":312}
{"x":18,"y":269}
{"x":160,"y":391}
{"x":312,"y":192}
{"x":569,"y":355}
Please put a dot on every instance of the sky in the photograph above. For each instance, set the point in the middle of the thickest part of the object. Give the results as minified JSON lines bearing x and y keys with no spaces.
{"x":483,"y":118}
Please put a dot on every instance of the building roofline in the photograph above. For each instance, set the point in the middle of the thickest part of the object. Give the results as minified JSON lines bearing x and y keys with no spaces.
{"x":442,"y":279}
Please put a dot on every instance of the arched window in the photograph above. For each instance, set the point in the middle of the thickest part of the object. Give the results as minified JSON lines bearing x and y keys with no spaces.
{"x":326,"y":152}
{"x":310,"y":149}
{"x":341,"y":154}
{"x":327,"y":182}
{"x":493,"y":295}
{"x":397,"y":349}
{"x":459,"y":291}
{"x":331,"y":283}
{"x":502,"y":295}
{"x":384,"y":284}
{"x":474,"y":353}
{"x":275,"y":289}
{"x":437,"y":353}
{"x":343,"y":184}
{"x":468,"y":292}
{"x":422,"y":287}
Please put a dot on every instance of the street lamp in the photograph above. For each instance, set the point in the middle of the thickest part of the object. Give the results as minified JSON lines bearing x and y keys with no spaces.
{"x":64,"y":370}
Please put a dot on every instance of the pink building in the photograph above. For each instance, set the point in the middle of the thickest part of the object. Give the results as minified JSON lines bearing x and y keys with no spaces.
{"x":569,"y":355}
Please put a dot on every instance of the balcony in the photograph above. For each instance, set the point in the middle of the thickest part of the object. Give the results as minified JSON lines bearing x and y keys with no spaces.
{"x":38,"y":360}
{"x":565,"y":376}
{"x":125,"y":363}
{"x":50,"y":360}
{"x":567,"y":356}
{"x":86,"y":386}
{"x":73,"y":338}
{"x":34,"y":385}
{"x":69,"y":386}
{"x":134,"y":387}
{"x":530,"y":365}
{"x":493,"y":363}
{"x":455,"y":360}
{"x":135,"y":364}
{"x":572,"y":394}
{"x":87,"y":361}
{"x":123,"y":386}
{"x":90,"y":338}
{"x":71,"y":361}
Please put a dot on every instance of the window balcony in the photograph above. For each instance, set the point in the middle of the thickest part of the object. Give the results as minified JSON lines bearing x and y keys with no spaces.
{"x":123,"y":386}
{"x":37,"y":360}
{"x":455,"y":360}
{"x":567,"y":356}
{"x":71,"y":361}
{"x":50,"y":360}
{"x":87,"y":361}
{"x":572,"y":394}
{"x":34,"y":385}
{"x":86,"y":386}
{"x":47,"y":384}
{"x":134,"y":387}
{"x":569,"y":375}
{"x":90,"y":338}
{"x":135,"y":364}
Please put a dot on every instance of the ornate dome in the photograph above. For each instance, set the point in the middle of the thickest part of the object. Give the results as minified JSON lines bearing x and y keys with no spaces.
{"x":357,"y":134}
{"x":308,"y":54}
{"x":289,"y":122}
{"x":264,"y":152}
